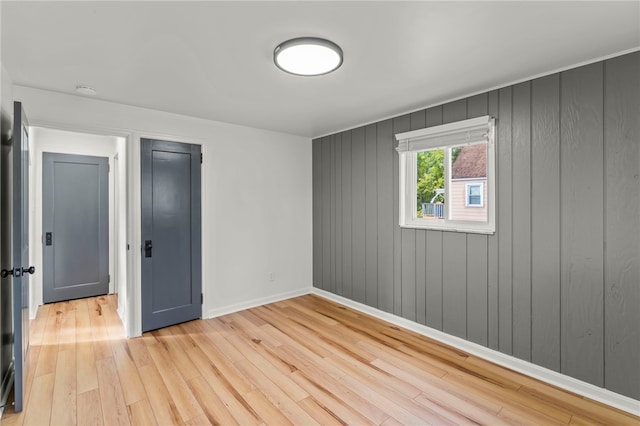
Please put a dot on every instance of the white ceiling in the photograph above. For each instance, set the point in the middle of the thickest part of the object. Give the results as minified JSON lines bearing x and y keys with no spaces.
{"x":214,"y":59}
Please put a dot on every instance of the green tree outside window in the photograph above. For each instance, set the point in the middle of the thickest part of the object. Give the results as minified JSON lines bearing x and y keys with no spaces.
{"x":431,"y":175}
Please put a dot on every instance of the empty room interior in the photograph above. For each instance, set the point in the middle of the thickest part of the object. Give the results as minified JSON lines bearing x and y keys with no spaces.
{"x":320,"y":212}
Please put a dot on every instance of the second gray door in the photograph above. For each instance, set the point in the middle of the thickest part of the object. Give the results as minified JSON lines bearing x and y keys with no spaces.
{"x":75,"y":226}
{"x":171,"y":255}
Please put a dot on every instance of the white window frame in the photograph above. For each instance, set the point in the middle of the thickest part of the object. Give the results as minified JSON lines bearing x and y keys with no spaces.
{"x":467,"y":195}
{"x":446,"y":136}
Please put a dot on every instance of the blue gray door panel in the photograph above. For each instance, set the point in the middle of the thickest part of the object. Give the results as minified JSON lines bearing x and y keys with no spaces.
{"x":75,"y":224}
{"x":14,"y":193}
{"x":171,"y":241}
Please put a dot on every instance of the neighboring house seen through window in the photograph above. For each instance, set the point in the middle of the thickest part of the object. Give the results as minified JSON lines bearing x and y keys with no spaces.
{"x":447,"y":176}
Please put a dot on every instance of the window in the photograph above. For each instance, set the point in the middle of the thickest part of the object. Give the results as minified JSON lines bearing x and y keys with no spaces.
{"x":474,"y":195}
{"x":447,"y":177}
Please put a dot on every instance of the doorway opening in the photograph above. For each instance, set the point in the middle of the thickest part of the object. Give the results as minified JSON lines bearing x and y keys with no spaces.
{"x":113,"y":148}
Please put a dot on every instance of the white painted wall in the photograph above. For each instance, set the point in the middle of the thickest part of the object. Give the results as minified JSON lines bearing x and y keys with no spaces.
{"x":6,"y":99}
{"x":65,"y":142}
{"x":256,"y":197}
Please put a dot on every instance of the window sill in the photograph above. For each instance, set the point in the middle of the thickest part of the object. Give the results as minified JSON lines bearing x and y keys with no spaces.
{"x":485,"y":229}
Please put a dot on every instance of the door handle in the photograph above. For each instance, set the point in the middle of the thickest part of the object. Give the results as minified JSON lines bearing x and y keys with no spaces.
{"x":30,"y":270}
{"x":14,"y":272}
{"x":147,"y":248}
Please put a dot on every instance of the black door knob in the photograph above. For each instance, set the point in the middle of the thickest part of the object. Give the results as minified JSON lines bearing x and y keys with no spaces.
{"x":30,"y":270}
{"x":15,"y":272}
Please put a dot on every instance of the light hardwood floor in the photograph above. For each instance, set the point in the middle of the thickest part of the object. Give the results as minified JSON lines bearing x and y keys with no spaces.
{"x":304,"y":361}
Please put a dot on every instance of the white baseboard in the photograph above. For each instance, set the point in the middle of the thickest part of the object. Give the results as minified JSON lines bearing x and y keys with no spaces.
{"x":549,"y":376}
{"x":216,"y":312}
{"x":120,"y":312}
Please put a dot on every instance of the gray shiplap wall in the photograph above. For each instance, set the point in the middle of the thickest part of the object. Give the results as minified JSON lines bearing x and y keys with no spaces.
{"x":559,"y":283}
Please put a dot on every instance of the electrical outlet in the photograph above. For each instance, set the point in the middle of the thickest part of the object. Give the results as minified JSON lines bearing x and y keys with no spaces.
{"x":272,"y":276}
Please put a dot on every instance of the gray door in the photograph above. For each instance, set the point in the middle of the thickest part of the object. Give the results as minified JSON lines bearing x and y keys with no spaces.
{"x":171,"y":254}
{"x":75,"y":226}
{"x":16,"y":194}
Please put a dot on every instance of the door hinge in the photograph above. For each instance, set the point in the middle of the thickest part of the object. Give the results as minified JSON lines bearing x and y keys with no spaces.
{"x":201,"y":298}
{"x":109,"y":278}
{"x":200,"y":158}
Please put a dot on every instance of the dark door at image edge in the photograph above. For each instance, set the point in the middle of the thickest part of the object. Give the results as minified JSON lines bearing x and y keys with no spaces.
{"x":171,"y":224}
{"x":15,"y":255}
{"x":75,"y":226}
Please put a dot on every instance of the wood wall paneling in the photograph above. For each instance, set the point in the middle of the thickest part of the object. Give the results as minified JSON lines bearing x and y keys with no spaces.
{"x":347,"y":217}
{"x":454,"y":276}
{"x":421,"y":276}
{"x":371,"y":215}
{"x":332,"y":229}
{"x":521,"y":234}
{"x":582,"y":216}
{"x":504,"y":226}
{"x":358,"y":207}
{"x":326,"y":214}
{"x":477,"y":289}
{"x":316,"y":147}
{"x":385,"y":148}
{"x":408,"y":274}
{"x":545,"y":222}
{"x":558,"y":283}
{"x":622,"y":221}
{"x":434,"y":280}
{"x":339,"y":231}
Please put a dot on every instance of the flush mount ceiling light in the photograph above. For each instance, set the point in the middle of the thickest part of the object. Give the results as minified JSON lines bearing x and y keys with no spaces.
{"x":85,"y":90}
{"x":308,"y":56}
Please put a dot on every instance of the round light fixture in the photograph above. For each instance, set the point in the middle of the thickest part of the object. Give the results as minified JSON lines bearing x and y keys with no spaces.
{"x":308,"y":56}
{"x":85,"y":90}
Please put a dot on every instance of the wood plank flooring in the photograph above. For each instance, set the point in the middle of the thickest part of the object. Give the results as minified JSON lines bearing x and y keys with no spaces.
{"x":304,"y":361}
